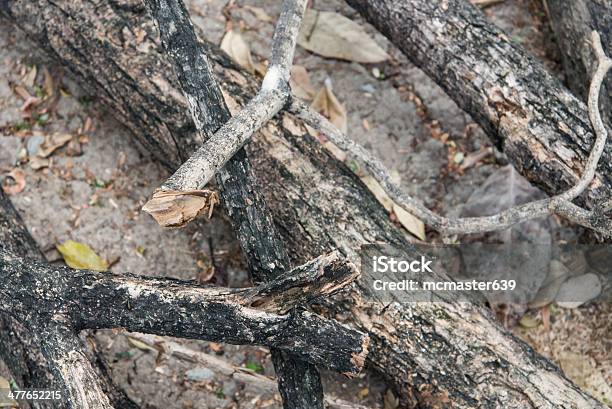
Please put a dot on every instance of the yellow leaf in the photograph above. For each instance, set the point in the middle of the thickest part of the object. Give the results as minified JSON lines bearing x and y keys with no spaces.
{"x":81,"y":256}
{"x":326,"y":103}
{"x":136,"y":343}
{"x":235,"y":46}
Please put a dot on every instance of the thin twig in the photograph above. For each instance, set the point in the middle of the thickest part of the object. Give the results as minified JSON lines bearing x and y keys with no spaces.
{"x":560,"y":204}
{"x":223,"y":367}
{"x":199,"y":169}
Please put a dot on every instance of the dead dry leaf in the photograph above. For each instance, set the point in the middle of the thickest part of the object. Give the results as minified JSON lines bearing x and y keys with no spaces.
{"x":326,"y":103}
{"x":5,"y":401}
{"x":53,"y":142}
{"x":38,"y":163}
{"x":176,"y":209}
{"x":300,"y":83}
{"x":234,"y":45}
{"x":18,"y":177}
{"x":334,"y":36}
{"x":410,"y":222}
{"x":49,"y":82}
{"x":81,"y":257}
{"x":407,"y":220}
{"x":136,"y":343}
{"x":30,"y":77}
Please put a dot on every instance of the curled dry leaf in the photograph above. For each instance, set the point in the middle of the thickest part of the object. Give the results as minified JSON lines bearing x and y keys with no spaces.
{"x":172,"y":208}
{"x":18,"y":177}
{"x":334,"y":36}
{"x":234,"y":45}
{"x":53,"y":142}
{"x":326,"y":103}
{"x":300,"y":83}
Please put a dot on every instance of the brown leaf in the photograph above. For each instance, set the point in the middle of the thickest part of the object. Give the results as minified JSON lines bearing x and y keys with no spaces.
{"x":49,"y":82}
{"x":172,"y":208}
{"x":300,"y":83}
{"x":234,"y":45}
{"x":30,"y":77}
{"x":18,"y":177}
{"x":53,"y":142}
{"x":407,"y":220}
{"x":326,"y":103}
{"x":335,"y":36}
{"x":38,"y":163}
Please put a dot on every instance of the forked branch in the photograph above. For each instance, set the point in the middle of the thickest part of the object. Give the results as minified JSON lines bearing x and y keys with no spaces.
{"x":200,"y":168}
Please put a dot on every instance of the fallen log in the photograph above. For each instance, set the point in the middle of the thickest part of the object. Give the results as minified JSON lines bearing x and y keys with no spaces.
{"x":432,"y":353}
{"x":530,"y":115}
{"x":572,"y":21}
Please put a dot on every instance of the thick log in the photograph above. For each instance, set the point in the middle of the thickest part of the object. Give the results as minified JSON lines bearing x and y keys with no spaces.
{"x":432,"y":353}
{"x":572,"y":22}
{"x":299,"y":382}
{"x":542,"y":127}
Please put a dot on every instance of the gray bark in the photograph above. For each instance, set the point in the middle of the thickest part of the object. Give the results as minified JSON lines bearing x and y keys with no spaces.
{"x":432,"y":353}
{"x":542,"y":127}
{"x":572,"y":22}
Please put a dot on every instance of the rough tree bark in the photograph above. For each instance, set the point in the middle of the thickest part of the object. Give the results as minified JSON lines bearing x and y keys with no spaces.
{"x":433,"y":353}
{"x":44,"y":307}
{"x":539,"y":124}
{"x":572,"y":21}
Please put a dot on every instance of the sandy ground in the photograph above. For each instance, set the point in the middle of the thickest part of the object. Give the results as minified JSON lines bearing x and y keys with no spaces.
{"x":94,"y":187}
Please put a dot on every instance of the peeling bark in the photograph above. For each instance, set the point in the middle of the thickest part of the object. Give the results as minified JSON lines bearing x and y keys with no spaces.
{"x":432,"y":353}
{"x":539,"y":124}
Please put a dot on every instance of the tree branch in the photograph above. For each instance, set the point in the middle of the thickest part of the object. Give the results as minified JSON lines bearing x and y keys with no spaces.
{"x":556,"y":204}
{"x":299,"y":381}
{"x":94,"y":300}
{"x":47,"y":353}
{"x":217,"y":150}
{"x":225,"y":368}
